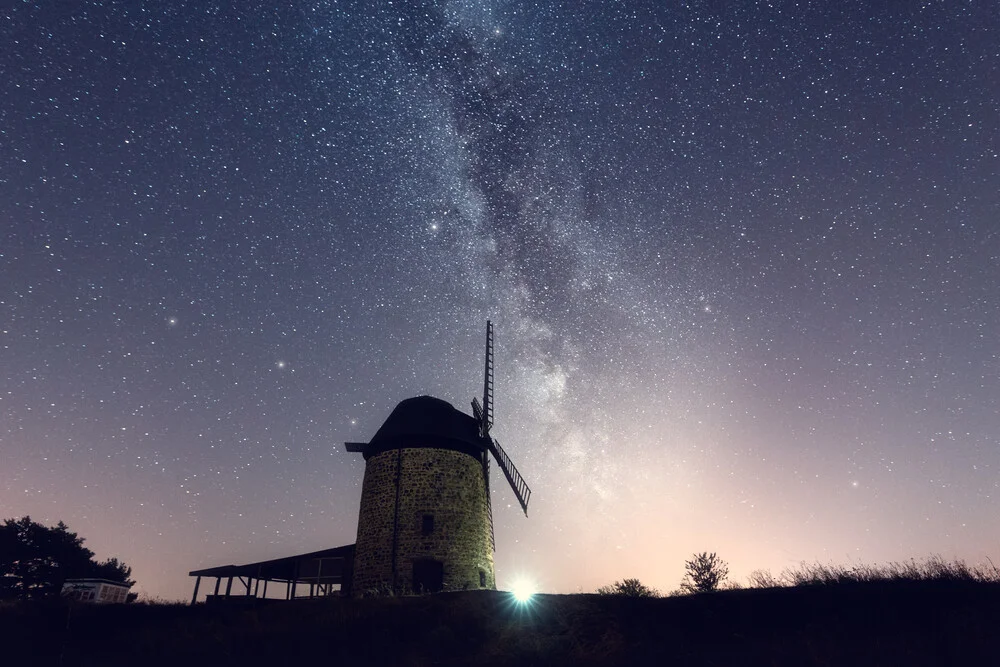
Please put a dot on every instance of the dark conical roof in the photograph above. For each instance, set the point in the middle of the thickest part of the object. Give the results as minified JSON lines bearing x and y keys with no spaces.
{"x":425,"y":421}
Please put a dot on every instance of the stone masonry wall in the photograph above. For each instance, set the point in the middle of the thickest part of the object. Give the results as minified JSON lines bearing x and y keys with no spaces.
{"x":445,"y":484}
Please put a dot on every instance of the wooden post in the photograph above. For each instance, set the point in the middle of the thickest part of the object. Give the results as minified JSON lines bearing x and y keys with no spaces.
{"x":229,"y":586}
{"x":197,"y":583}
{"x":218,"y":580}
{"x":248,"y":585}
{"x":265,"y":588}
{"x":295,"y":580}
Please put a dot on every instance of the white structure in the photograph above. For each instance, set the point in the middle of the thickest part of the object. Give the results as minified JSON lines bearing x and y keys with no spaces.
{"x":95,"y":590}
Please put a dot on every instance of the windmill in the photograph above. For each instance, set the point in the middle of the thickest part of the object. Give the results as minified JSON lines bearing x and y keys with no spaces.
{"x":483,"y":413}
{"x":425,"y":522}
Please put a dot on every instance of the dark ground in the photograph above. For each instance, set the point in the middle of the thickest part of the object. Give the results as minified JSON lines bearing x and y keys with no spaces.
{"x":915,"y":623}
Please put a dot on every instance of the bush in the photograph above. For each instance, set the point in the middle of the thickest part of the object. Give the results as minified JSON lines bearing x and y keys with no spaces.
{"x":932,"y":569}
{"x":631,"y":588}
{"x":763,"y":579}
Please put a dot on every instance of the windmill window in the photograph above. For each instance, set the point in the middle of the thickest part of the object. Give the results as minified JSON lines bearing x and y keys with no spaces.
{"x":482,"y":579}
{"x":427,"y":526}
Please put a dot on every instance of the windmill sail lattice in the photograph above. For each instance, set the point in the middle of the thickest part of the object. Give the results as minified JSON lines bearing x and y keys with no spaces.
{"x":487,"y":416}
{"x":517,"y":482}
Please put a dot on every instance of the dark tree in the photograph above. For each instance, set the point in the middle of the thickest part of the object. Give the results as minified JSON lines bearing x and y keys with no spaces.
{"x":35,"y":560}
{"x":632,"y":588}
{"x":705,"y":571}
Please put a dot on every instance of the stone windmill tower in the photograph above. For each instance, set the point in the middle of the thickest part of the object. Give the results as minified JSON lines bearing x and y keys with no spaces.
{"x":426,"y":522}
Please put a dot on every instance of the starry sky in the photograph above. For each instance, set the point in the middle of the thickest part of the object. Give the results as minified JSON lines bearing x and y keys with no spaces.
{"x":742,"y":260}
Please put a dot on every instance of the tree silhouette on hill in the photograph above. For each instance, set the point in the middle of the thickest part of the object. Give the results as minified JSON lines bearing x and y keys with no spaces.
{"x":35,"y":560}
{"x":704,"y":573}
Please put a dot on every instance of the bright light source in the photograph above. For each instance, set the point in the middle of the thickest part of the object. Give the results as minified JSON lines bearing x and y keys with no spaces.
{"x":522,"y":590}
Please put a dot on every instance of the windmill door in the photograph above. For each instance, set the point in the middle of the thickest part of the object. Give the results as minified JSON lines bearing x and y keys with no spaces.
{"x":428,"y":575}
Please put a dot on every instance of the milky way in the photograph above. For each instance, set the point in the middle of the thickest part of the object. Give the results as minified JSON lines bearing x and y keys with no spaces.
{"x":742,"y":262}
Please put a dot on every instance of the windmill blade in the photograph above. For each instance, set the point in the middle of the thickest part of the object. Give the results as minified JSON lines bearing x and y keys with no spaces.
{"x":517,"y":482}
{"x":477,"y":411}
{"x":487,"y":420}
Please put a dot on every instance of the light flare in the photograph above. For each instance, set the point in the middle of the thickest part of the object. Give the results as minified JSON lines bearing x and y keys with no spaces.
{"x":523,"y":590}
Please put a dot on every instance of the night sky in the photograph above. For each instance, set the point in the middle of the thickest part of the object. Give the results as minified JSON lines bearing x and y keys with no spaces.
{"x":742,"y":259}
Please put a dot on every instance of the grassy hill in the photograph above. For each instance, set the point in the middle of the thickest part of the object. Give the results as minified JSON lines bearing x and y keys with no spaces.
{"x":871,"y":623}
